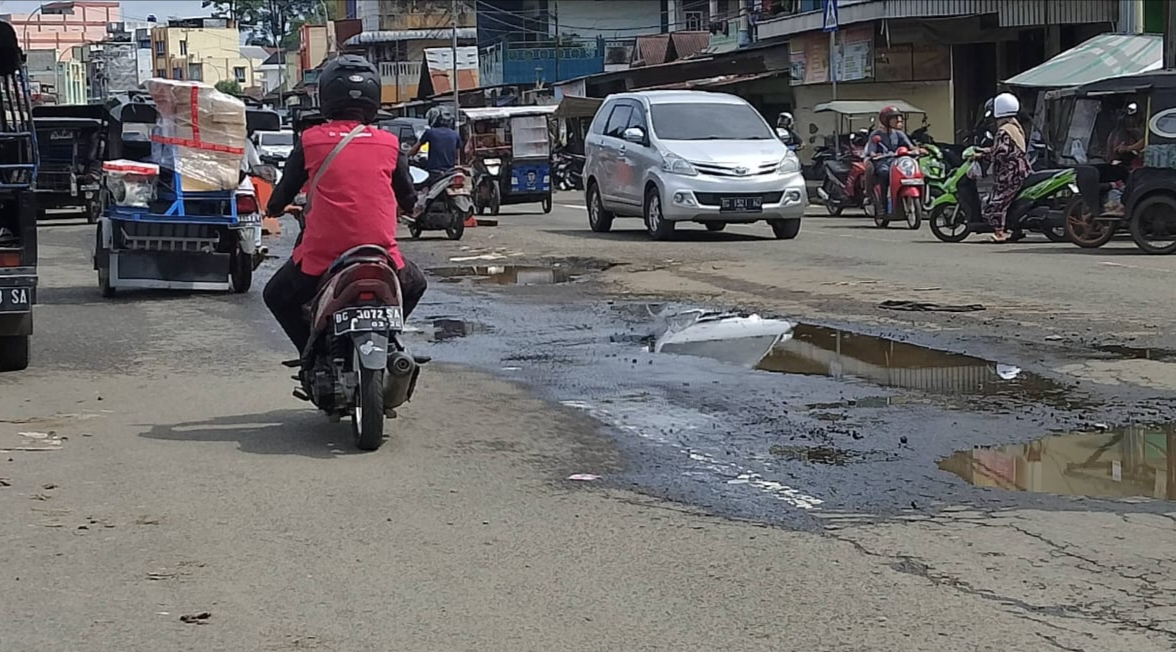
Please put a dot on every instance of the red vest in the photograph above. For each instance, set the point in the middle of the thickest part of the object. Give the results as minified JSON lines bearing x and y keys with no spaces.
{"x":353,"y":204}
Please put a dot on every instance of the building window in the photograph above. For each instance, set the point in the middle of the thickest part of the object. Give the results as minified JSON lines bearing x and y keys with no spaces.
{"x":196,"y":72}
{"x":695,"y":21}
{"x":183,"y":48}
{"x":239,"y":74}
{"x":160,"y":48}
{"x":161,"y":73}
{"x":177,"y":73}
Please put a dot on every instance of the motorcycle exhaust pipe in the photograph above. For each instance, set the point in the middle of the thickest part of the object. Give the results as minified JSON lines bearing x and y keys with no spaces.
{"x":400,"y":381}
{"x":822,"y":194}
{"x":263,"y":250}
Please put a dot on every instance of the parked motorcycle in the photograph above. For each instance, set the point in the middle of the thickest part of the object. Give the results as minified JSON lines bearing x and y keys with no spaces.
{"x":356,"y":364}
{"x":906,"y":185}
{"x":568,"y":171}
{"x":957,"y":213}
{"x":443,"y":205}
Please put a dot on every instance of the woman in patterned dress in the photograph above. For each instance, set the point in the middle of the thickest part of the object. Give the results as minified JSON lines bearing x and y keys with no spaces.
{"x":1010,"y":163}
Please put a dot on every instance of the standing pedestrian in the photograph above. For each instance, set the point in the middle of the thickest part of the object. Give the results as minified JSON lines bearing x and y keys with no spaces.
{"x":1010,"y":163}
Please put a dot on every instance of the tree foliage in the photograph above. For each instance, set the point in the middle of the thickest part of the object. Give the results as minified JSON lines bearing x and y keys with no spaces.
{"x":229,"y":87}
{"x":276,"y":21}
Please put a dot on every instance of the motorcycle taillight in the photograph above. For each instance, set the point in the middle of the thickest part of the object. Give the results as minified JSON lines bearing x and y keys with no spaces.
{"x":458,"y":181}
{"x":367,"y":296}
{"x":246,"y":204}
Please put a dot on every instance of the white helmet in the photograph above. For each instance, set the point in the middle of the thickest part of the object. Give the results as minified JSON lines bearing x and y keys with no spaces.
{"x":1005,"y":105}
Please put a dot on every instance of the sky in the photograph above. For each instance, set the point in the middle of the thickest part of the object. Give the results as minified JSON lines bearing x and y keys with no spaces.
{"x":131,"y":9}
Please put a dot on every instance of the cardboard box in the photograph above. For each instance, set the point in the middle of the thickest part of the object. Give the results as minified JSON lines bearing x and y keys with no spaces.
{"x":200,"y":134}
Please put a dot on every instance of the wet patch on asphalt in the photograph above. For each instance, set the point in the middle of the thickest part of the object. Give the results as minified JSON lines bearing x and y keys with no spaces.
{"x":823,"y":419}
{"x":505,"y":274}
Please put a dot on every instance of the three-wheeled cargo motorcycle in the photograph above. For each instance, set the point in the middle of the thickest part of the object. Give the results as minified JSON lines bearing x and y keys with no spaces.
{"x":71,"y":141}
{"x":18,"y":207}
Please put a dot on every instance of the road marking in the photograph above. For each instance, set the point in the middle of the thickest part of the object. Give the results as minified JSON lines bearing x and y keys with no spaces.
{"x":572,"y":206}
{"x":1148,"y":269}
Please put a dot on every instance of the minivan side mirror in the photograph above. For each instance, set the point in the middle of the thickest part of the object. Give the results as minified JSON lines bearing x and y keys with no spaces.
{"x":634,"y":135}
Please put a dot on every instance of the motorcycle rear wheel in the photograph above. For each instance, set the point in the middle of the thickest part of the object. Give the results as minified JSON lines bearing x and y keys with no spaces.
{"x":367,"y":417}
{"x":1084,"y":228}
{"x":830,"y":205}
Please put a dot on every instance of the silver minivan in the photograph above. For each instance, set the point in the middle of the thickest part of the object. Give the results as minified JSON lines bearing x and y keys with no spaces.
{"x":689,"y":156}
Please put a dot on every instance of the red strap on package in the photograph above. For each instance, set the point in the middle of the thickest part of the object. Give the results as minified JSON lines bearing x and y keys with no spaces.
{"x":131,"y":167}
{"x":195,"y":142}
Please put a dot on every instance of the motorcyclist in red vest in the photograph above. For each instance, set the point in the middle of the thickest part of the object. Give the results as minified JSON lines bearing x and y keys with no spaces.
{"x":355,"y":202}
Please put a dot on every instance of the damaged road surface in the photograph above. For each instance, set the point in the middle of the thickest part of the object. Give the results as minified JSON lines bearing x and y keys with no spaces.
{"x":554,"y":484}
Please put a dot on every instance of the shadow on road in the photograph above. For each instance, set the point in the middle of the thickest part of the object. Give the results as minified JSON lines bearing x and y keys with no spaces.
{"x":280,"y":432}
{"x":86,"y":295}
{"x":679,"y":236}
{"x":1067,"y":248}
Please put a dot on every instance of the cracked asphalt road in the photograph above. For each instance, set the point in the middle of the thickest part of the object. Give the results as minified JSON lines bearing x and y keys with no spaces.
{"x":181,"y":478}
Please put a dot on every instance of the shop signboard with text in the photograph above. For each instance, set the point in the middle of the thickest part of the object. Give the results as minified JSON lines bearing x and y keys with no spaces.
{"x":811,"y":63}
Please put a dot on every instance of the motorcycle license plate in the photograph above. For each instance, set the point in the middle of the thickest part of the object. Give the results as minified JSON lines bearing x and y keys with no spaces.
{"x":741,"y":204}
{"x":369,"y":320}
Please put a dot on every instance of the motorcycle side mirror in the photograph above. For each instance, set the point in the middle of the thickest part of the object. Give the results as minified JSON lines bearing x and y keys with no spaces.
{"x":813,"y":128}
{"x":877,"y":138}
{"x":902,"y":151}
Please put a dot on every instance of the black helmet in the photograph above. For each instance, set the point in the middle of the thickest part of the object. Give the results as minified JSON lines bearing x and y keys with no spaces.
{"x":349,"y":82}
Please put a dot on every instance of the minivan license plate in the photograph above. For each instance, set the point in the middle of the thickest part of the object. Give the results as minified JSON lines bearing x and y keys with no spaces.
{"x":369,"y":320}
{"x":741,"y":204}
{"x":18,"y":299}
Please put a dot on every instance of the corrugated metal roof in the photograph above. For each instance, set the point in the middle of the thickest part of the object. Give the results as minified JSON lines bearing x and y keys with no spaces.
{"x":1013,"y":13}
{"x":651,"y":50}
{"x":498,"y":113}
{"x":386,"y":36}
{"x":1026,"y":13}
{"x":688,"y":43}
{"x":1106,"y":55}
{"x":254,"y":52}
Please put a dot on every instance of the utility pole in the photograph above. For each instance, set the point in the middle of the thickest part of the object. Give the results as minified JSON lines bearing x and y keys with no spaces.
{"x":558,"y":43}
{"x":1169,"y":36}
{"x":456,"y":92}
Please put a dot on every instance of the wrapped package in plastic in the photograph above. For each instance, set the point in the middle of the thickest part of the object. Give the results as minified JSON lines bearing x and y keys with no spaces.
{"x":131,"y":183}
{"x":200,"y":134}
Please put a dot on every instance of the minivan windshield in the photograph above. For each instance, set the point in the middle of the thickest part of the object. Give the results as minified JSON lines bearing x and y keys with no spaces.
{"x":278,"y":139}
{"x":708,"y":121}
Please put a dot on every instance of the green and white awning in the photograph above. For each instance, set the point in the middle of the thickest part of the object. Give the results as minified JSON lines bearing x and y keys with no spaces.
{"x":1104,"y":56}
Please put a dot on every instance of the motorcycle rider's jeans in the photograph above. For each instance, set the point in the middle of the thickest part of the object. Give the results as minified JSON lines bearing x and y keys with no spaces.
{"x":290,"y":290}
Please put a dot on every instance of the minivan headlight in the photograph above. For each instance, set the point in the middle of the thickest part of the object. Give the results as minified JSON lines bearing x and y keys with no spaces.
{"x":789,"y":165}
{"x":677,"y":165}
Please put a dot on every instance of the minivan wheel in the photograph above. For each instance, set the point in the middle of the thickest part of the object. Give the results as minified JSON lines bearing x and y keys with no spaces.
{"x":785,"y":229}
{"x":599,"y":220}
{"x":655,"y":222}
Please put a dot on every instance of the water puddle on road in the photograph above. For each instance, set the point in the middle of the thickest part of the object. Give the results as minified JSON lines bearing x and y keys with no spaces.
{"x":780,"y":347}
{"x":1138,"y":352}
{"x":509,"y":274}
{"x":445,"y":328}
{"x":1137,"y":461}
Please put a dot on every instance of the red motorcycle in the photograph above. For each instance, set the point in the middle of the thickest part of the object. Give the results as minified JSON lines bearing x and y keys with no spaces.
{"x":844,"y":185}
{"x":903,"y":201}
{"x":356,"y":363}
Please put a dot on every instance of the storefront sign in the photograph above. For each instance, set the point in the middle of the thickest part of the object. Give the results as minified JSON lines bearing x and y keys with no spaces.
{"x":810,"y":61}
{"x":797,"y":63}
{"x":856,"y":60}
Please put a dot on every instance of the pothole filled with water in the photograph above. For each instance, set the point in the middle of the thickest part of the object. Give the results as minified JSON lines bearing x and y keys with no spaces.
{"x":778,"y":346}
{"x":1137,"y":461}
{"x":512,"y":274}
{"x":446,"y":328}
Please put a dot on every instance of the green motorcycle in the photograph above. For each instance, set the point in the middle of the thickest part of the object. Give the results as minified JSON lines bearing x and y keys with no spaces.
{"x":956,"y":213}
